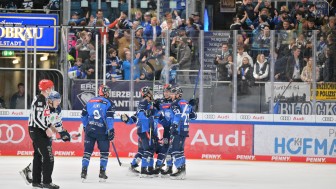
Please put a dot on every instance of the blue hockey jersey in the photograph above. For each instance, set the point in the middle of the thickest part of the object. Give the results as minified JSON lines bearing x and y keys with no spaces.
{"x":98,"y":114}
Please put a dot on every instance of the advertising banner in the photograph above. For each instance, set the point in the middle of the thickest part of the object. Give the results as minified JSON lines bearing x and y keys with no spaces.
{"x":325,"y":91}
{"x":291,"y":140}
{"x":84,"y":90}
{"x":285,"y":92}
{"x":306,"y":108}
{"x":213,"y":141}
{"x":15,"y":28}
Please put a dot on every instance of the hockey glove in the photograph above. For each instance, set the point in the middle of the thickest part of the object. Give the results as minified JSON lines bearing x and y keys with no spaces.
{"x":173,"y":129}
{"x":65,"y":136}
{"x":150,"y":112}
{"x":192,"y":115}
{"x":124,"y":118}
{"x":157,"y":104}
{"x":110,"y":134}
{"x":135,"y":119}
{"x":192,"y":102}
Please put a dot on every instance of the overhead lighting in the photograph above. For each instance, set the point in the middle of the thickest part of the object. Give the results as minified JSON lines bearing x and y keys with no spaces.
{"x":44,"y":58}
{"x":15,"y":61}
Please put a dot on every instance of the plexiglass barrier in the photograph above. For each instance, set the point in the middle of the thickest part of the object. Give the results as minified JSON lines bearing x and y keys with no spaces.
{"x":262,"y":71}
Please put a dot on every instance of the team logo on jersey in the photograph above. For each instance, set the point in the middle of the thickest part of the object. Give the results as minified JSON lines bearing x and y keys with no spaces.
{"x":46,"y":112}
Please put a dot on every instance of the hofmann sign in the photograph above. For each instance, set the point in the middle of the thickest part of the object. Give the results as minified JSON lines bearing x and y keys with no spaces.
{"x":15,"y":28}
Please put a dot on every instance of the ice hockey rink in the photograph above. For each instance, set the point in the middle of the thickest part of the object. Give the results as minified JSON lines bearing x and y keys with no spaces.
{"x":200,"y":174}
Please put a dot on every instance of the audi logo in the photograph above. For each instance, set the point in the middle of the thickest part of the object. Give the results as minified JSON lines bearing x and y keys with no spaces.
{"x":246,"y":117}
{"x":209,"y":116}
{"x":285,"y":118}
{"x":75,"y":114}
{"x":327,"y":119}
{"x":11,"y":133}
{"x":4,"y":112}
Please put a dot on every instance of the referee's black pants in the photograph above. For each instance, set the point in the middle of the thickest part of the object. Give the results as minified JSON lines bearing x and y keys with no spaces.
{"x":43,"y":163}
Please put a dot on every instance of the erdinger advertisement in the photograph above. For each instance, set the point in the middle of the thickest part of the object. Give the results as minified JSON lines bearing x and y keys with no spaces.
{"x":206,"y":141}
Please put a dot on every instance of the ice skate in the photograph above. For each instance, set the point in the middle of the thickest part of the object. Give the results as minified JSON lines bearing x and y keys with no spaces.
{"x":37,"y":185}
{"x":155,"y":172}
{"x":166,"y":173}
{"x":144,"y":173}
{"x":180,"y":174}
{"x":26,"y":175}
{"x":51,"y":186}
{"x":102,"y":175}
{"x":84,"y":174}
{"x":133,"y":170}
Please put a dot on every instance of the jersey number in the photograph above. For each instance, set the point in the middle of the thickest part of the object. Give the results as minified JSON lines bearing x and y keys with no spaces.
{"x":96,"y":114}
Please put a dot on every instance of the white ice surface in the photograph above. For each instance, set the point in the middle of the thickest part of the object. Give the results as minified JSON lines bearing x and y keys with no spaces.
{"x":200,"y":174}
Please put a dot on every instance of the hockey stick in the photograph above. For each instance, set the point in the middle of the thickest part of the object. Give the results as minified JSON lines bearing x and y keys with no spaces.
{"x":151,"y":126}
{"x":116,"y":153}
{"x":117,"y":156}
{"x":114,"y":148}
{"x":196,"y":82}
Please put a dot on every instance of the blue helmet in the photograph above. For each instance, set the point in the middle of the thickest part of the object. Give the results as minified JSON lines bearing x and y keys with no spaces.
{"x":54,"y":96}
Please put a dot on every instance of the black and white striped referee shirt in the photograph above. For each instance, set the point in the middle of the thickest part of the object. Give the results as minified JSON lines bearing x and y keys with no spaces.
{"x":39,"y":113}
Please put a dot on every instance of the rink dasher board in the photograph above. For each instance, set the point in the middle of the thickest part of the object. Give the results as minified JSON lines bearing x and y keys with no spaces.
{"x":215,"y":136}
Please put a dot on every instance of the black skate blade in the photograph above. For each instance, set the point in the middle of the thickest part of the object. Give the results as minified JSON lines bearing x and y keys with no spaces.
{"x":181,"y":176}
{"x":102,"y":180}
{"x":24,"y":177}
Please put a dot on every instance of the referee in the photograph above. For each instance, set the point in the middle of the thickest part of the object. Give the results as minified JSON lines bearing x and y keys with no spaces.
{"x":40,"y":133}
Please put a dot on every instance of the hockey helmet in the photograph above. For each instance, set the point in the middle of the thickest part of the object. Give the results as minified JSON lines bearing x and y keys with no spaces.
{"x":145,"y":91}
{"x":44,"y":84}
{"x":104,"y":90}
{"x":177,"y":91}
{"x":167,"y":87}
{"x":54,"y":96}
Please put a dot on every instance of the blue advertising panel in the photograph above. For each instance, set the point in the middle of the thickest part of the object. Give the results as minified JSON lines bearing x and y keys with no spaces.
{"x":14,"y":27}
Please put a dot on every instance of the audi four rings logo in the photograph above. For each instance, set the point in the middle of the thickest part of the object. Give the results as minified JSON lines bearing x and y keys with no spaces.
{"x":245,"y":117}
{"x":209,"y":116}
{"x":11,"y":133}
{"x":284,"y":118}
{"x":327,"y":119}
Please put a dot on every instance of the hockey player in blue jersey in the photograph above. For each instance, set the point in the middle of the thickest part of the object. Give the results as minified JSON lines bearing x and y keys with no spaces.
{"x":138,"y":156}
{"x":164,"y":117}
{"x":55,"y":119}
{"x":179,"y":130}
{"x":146,"y":130}
{"x":98,"y":120}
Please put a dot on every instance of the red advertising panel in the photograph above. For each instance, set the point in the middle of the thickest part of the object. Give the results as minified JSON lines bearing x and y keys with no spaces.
{"x":219,"y":141}
{"x":206,"y":141}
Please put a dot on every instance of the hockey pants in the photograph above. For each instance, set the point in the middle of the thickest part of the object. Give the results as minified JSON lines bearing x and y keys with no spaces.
{"x":177,"y":150}
{"x":138,"y":155}
{"x":103,"y":146}
{"x":148,"y":150}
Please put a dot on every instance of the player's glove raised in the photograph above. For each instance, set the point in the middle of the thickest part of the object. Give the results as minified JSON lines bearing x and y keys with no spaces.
{"x":173,"y":129}
{"x":192,"y":115}
{"x":110,"y":134}
{"x":192,"y":102}
{"x":65,"y":136}
{"x":124,"y":118}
